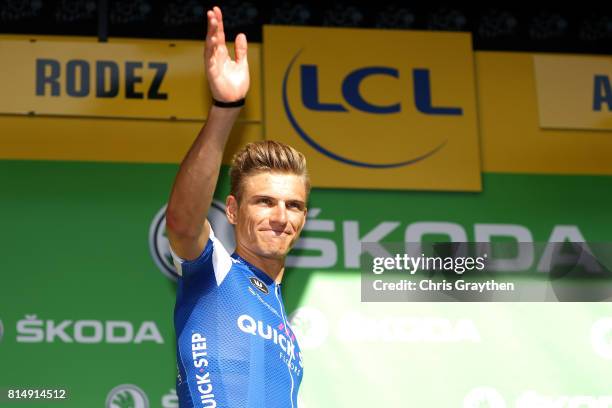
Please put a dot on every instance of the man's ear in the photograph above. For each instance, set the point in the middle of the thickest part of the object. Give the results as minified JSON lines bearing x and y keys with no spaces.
{"x":231,"y":209}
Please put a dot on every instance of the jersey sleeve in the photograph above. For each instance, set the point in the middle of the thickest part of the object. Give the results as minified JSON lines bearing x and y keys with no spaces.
{"x":213,"y":259}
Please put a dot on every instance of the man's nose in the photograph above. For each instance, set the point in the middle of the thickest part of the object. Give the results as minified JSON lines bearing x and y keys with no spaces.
{"x":279,"y":214}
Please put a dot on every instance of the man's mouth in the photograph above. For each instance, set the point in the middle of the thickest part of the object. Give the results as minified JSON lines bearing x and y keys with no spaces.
{"x":276,"y":232}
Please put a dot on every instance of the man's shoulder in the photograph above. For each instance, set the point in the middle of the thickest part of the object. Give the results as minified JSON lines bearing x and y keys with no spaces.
{"x":213,"y":257}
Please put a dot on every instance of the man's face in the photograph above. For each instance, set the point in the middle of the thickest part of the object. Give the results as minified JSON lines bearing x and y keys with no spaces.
{"x":271,"y":213}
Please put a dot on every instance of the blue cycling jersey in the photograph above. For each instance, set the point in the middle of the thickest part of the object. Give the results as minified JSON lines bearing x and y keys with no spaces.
{"x":235,"y":347}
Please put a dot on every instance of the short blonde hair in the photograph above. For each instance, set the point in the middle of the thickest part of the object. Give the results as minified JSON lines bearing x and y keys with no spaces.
{"x":266,"y":156}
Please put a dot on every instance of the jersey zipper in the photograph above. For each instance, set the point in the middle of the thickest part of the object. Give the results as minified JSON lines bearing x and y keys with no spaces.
{"x":286,"y":324}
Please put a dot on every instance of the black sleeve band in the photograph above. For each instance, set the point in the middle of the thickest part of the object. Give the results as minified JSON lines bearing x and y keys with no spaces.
{"x":235,"y":104}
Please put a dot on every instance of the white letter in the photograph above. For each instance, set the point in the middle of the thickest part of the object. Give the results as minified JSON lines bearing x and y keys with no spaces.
{"x":377,"y":269}
{"x":170,"y":400}
{"x":415,"y":231}
{"x":327,"y":247}
{"x":600,"y":337}
{"x":29,"y":330}
{"x":78,"y":331}
{"x":111,"y":325}
{"x":251,"y":327}
{"x":53,"y":331}
{"x":353,"y":244}
{"x":148,"y":331}
{"x":552,"y":255}
{"x":523,"y":237}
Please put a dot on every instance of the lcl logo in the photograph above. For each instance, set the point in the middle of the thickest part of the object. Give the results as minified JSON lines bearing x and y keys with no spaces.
{"x":353,"y":98}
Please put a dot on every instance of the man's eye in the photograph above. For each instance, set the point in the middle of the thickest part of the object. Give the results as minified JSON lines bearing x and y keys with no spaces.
{"x":266,"y":201}
{"x":296,"y":206}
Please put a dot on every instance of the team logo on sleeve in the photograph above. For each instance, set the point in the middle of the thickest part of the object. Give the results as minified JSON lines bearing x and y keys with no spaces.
{"x":259,"y":285}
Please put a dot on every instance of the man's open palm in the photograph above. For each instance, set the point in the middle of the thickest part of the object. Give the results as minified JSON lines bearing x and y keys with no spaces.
{"x":228,"y":79}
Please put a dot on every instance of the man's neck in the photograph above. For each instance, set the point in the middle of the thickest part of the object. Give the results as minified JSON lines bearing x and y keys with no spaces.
{"x":274,"y":268}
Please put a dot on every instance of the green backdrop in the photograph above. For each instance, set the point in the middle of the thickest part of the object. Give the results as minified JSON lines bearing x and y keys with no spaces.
{"x":85,"y":307}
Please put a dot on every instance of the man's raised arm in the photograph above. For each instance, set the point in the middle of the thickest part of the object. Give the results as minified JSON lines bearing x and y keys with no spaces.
{"x":193,"y":189}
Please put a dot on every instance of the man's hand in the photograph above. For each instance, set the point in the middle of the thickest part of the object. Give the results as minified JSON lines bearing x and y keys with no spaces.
{"x":228,"y":80}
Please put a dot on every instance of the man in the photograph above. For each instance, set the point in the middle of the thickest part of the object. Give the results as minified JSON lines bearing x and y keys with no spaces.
{"x":235,"y":347}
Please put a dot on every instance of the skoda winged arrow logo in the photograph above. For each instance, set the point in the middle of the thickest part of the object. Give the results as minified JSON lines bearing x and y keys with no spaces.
{"x":127,"y":396}
{"x":160,"y":246}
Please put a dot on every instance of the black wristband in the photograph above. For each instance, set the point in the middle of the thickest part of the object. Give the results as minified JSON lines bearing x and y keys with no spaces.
{"x":235,"y":104}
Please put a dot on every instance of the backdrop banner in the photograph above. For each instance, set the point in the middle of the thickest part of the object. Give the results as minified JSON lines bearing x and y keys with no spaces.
{"x":87,"y":294}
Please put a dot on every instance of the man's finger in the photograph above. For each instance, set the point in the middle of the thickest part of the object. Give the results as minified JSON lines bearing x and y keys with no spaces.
{"x":211,"y":45}
{"x":210,"y":29}
{"x":240,"y":48}
{"x":214,"y":35}
{"x":219,"y":18}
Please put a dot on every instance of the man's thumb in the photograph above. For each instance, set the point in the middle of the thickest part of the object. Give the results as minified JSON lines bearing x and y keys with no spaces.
{"x":240,"y":47}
